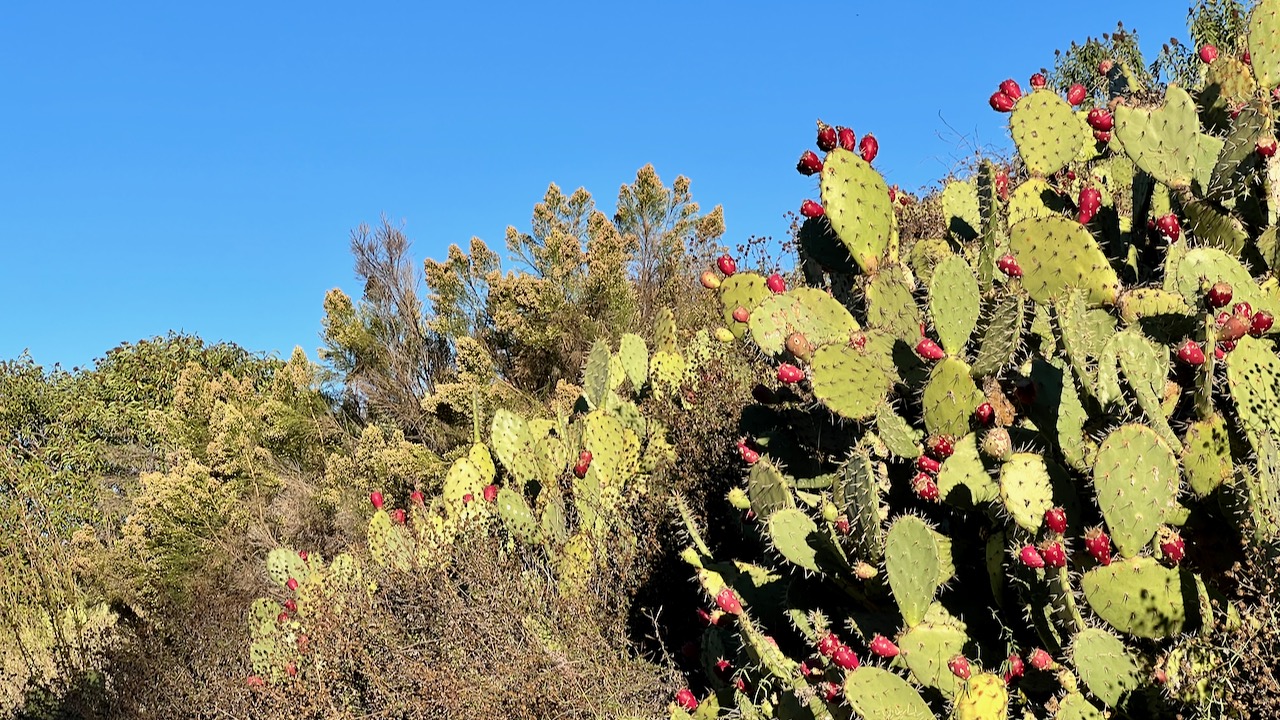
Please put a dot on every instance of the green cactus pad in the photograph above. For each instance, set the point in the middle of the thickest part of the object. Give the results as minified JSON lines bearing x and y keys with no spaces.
{"x":615,"y":450}
{"x":390,"y":546}
{"x":856,"y":200}
{"x":963,"y":479}
{"x":1105,"y":665}
{"x":877,"y":694}
{"x":857,"y":494}
{"x":1151,"y":303}
{"x":789,"y":530}
{"x":1075,"y":707}
{"x":950,"y":398}
{"x":1002,"y":338}
{"x":575,"y":565}
{"x":1145,"y":368}
{"x":1252,"y":372}
{"x":634,"y":355}
{"x":926,"y":649}
{"x":768,"y":489}
{"x":1264,"y":42}
{"x":925,"y":255}
{"x":1046,"y":131}
{"x":1139,"y":596}
{"x":262,"y":618}
{"x":890,"y":304}
{"x":961,"y":210}
{"x":463,"y":479}
{"x":809,"y":311}
{"x":1206,"y":455}
{"x":1162,"y":141}
{"x":1025,"y":489}
{"x":918,"y":561}
{"x":984,"y":697}
{"x":897,"y":434}
{"x":283,"y":563}
{"x":954,"y":303}
{"x":743,"y":290}
{"x":554,"y":524}
{"x":1056,"y":254}
{"x":1239,"y":160}
{"x":595,"y":381}
{"x":517,"y":515}
{"x":666,"y":371}
{"x":1214,"y":227}
{"x":1060,"y":411}
{"x":853,"y":382}
{"x":1136,"y":477}
{"x":1034,"y":199}
{"x":664,"y":330}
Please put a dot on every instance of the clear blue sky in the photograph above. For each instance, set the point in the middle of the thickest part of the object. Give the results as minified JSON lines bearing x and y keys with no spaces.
{"x":199,"y":166}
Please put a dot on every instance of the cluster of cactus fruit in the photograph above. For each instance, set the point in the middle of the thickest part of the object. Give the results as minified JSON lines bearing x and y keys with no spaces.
{"x":1002,"y":471}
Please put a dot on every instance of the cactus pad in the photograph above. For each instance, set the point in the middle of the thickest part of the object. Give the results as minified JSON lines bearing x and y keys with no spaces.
{"x":789,"y":530}
{"x":1264,"y":42}
{"x":1136,"y":477}
{"x":1252,"y":372}
{"x":1104,"y":665}
{"x":963,"y":479}
{"x":877,"y":694}
{"x":890,"y":304}
{"x":949,"y":398}
{"x":984,"y":697}
{"x":1057,"y":254}
{"x":1025,"y":489}
{"x":1206,"y":455}
{"x":918,"y":561}
{"x":926,"y":648}
{"x":743,"y":290}
{"x":856,"y":200}
{"x":954,"y":302}
{"x":1139,"y":596}
{"x":1002,"y":338}
{"x":1046,"y":131}
{"x":853,"y":382}
{"x":809,"y":311}
{"x":1162,"y":141}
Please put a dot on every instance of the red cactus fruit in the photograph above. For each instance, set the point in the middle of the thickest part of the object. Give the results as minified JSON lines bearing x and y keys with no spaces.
{"x":788,"y":373}
{"x":1076,"y":94}
{"x":302,"y":554}
{"x":1001,"y":102}
{"x":291,"y":605}
{"x":924,"y":463}
{"x":741,"y":314}
{"x":1100,"y":119}
{"x":940,"y":446}
{"x":686,"y":699}
{"x":846,"y":138}
{"x":1190,"y":353}
{"x":399,"y":517}
{"x":1173,"y":547}
{"x":1010,"y":87}
{"x":709,"y":280}
{"x":883,"y":646}
{"x":291,"y":669}
{"x":726,"y":265}
{"x":1102,"y":136}
{"x":1208,"y":54}
{"x":830,"y":691}
{"x":727,"y":600}
{"x":1260,"y":323}
{"x":1266,"y":147}
{"x":490,"y":493}
{"x":375,"y":497}
{"x":1015,"y":667}
{"x":828,"y":644}
{"x":1031,"y":557}
{"x":282,"y":617}
{"x":959,"y":666}
{"x":869,"y":147}
{"x":1053,"y":553}
{"x":1105,"y":66}
{"x":255,"y":681}
{"x":749,"y":455}
{"x":1219,"y":295}
{"x":775,"y":283}
{"x":583,"y":464}
{"x":1246,"y":58}
{"x":1169,"y":226}
{"x":1038,"y":81}
{"x":1098,"y":544}
{"x":1008,"y":265}
{"x":811,"y":209}
{"x":1242,"y":308}
{"x":926,"y":487}
{"x":1040,"y":659}
{"x":416,"y":497}
{"x":1089,"y":203}
{"x":1056,"y":519}
{"x":291,"y":583}
{"x":826,"y":138}
{"x":809,"y":163}
{"x":845,"y":658}
{"x":1002,"y":184}
{"x":929,"y":350}
{"x":842,"y":525}
{"x":1236,"y":327}
{"x":984,"y":414}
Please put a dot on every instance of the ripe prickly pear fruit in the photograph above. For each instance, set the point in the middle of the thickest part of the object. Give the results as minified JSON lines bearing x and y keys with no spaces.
{"x":1076,"y":94}
{"x":399,"y":517}
{"x":1040,"y":659}
{"x":1038,"y":81}
{"x":1246,"y":58}
{"x":1090,"y":202}
{"x":826,"y":138}
{"x":869,"y":147}
{"x":1190,"y":353}
{"x":830,"y":691}
{"x":1056,"y":520}
{"x":1219,"y":295}
{"x":255,"y":681}
{"x":925,"y":487}
{"x":1260,"y":323}
{"x":291,"y":583}
{"x":291,"y":605}
{"x":686,"y":699}
{"x":741,"y":314}
{"x":883,"y":646}
{"x":959,"y":666}
{"x":290,"y":669}
{"x":809,"y":163}
{"x":1002,"y":184}
{"x":375,"y":497}
{"x":929,"y":350}
{"x":1010,"y":87}
{"x":789,"y":374}
{"x":1100,"y":119}
{"x":842,"y":525}
{"x":1169,"y":226}
{"x":811,"y":209}
{"x":490,"y":493}
{"x":1008,"y":265}
{"x":1173,"y":547}
{"x":727,"y":600}
{"x":302,"y":554}
{"x":583,"y":464}
{"x":282,"y":618}
{"x":709,"y":280}
{"x":417,"y":498}
{"x":1236,"y":327}
{"x":984,"y":414}
{"x":1015,"y":667}
{"x":845,"y":658}
{"x":1102,"y":136}
{"x":749,"y":455}
{"x":1105,"y":66}
{"x":1208,"y":54}
{"x":1001,"y":102}
{"x":1031,"y":557}
{"x":1054,"y":555}
{"x":940,"y":446}
{"x":775,"y":283}
{"x":846,"y":138}
{"x":1098,"y":544}
{"x":1242,"y":308}
{"x":726,"y":265}
{"x":996,"y":444}
{"x":926,"y":464}
{"x":828,"y":644}
{"x":1266,"y":147}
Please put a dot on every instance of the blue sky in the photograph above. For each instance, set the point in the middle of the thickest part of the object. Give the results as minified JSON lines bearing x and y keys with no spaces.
{"x":199,"y":167}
